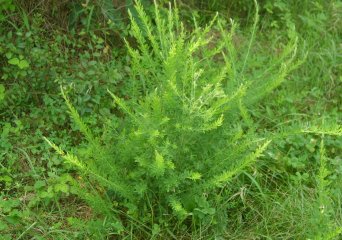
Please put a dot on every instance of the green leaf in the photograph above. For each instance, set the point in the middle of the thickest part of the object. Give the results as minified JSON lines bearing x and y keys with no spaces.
{"x":23,"y":64}
{"x":8,"y":55}
{"x":3,"y":226}
{"x":2,"y":92}
{"x":39,"y":184}
{"x":159,"y":164}
{"x":195,"y":176}
{"x":47,"y":195}
{"x":156,"y":229}
{"x":62,"y":187}
{"x":14,"y":61}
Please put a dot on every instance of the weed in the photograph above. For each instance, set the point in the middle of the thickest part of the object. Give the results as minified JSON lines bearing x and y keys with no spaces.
{"x":175,"y":123}
{"x":163,"y":168}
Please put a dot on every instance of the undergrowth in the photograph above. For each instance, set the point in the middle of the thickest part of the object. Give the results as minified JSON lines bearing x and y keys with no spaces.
{"x":202,"y":127}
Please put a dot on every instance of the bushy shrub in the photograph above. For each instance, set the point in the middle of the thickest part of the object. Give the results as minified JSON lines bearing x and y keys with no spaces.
{"x":183,"y":132}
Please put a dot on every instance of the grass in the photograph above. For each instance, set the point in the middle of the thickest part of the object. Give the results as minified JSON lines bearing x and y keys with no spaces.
{"x":294,"y":190}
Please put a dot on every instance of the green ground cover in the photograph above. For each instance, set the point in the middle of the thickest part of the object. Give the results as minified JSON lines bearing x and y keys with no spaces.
{"x":191,"y":120}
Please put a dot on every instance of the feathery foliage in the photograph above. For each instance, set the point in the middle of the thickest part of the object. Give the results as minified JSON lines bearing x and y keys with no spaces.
{"x":185,"y":133}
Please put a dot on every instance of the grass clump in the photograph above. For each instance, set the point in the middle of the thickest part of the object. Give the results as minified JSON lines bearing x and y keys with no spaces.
{"x":166,"y":165}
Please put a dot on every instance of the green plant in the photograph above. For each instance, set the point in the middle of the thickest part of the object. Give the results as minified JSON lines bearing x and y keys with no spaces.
{"x":184,"y":133}
{"x":2,"y":92}
{"x":34,"y":62}
{"x":322,"y":225}
{"x":78,"y":44}
{"x":5,"y":5}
